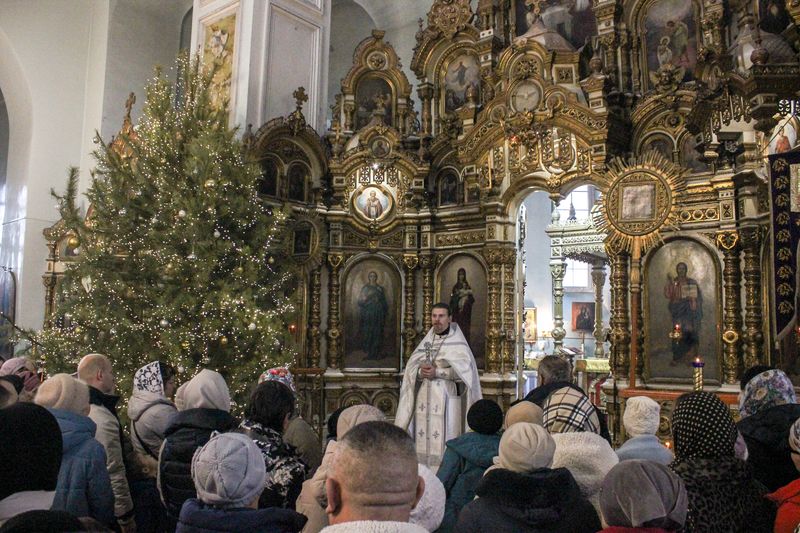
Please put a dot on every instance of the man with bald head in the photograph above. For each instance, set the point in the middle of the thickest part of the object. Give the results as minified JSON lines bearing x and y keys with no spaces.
{"x":95,"y":370}
{"x":374,"y":482}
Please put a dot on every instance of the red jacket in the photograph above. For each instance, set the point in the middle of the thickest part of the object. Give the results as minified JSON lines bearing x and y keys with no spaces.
{"x":788,"y":500}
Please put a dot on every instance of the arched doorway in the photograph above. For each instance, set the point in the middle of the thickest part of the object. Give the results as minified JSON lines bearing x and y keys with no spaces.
{"x":562,"y":295}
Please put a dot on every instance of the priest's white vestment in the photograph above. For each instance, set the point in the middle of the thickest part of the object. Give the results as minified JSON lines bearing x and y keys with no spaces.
{"x":438,"y":411}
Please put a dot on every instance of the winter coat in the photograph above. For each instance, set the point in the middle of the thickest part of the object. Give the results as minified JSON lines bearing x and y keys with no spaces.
{"x":285,"y":470}
{"x":84,"y":488}
{"x":197,"y":517}
{"x":109,"y":435}
{"x":766,"y":434}
{"x":724,"y":496}
{"x":465,"y":460}
{"x":313,"y":500}
{"x":545,"y":500}
{"x":150,"y":414}
{"x":305,"y":440}
{"x":186,"y":432}
{"x":788,"y":500}
{"x":646,"y":447}
{"x":374,"y":526}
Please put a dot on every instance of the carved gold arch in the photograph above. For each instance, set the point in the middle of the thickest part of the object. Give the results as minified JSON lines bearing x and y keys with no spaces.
{"x":281,"y":130}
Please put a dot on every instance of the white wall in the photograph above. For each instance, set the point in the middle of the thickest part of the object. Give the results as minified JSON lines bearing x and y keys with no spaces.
{"x":66,"y":68}
{"x":350,"y":24}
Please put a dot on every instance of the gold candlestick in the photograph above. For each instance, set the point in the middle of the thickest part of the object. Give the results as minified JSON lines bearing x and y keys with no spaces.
{"x":698,"y":365}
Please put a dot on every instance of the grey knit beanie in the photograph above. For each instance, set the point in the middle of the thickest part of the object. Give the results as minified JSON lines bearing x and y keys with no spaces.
{"x":229,"y":471}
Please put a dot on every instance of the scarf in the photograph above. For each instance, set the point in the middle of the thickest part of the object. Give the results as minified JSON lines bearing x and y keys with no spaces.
{"x":765,"y":390}
{"x":702,"y":426}
{"x":149,"y":379}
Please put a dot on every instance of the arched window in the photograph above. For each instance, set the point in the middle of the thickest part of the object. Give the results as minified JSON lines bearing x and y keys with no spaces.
{"x":297,"y":176}
{"x":448,"y":189}
{"x":185,"y":41}
{"x":268,"y":182}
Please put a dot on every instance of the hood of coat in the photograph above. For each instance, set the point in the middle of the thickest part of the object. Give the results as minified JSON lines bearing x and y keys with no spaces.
{"x":539,"y":497}
{"x":141,"y":401}
{"x":587,"y":456}
{"x":476,"y":448}
{"x":75,"y":429}
{"x":200,"y":517}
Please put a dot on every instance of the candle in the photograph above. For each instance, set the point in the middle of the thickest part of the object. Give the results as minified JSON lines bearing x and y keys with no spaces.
{"x":698,"y":365}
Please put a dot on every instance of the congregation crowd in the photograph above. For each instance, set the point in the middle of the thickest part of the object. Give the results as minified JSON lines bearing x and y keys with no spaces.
{"x":545,"y":465}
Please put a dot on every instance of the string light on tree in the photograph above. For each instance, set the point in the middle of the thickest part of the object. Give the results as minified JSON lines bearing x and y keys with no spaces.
{"x":159,"y":284}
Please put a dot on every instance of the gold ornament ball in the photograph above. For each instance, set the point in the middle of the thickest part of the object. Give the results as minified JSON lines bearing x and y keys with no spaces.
{"x":73,"y":242}
{"x":169,"y":268}
{"x":223,"y":340}
{"x":239,"y":270}
{"x":185,"y":345}
{"x":271,"y":260}
{"x":210,"y":183}
{"x":78,"y":330}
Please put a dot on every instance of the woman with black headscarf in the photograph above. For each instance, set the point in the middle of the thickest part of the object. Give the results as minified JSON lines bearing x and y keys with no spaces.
{"x":723,"y":495}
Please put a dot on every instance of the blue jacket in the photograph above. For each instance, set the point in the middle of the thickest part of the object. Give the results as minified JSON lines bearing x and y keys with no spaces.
{"x":465,"y":460}
{"x":84,"y":488}
{"x":645,"y":447}
{"x":197,"y":517}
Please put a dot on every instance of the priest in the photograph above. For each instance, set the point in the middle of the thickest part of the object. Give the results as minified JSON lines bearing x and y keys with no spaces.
{"x":440,"y":383}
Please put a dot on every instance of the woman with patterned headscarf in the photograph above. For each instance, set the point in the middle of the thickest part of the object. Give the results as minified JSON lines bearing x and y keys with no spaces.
{"x":768,"y":407}
{"x":723,"y":494}
{"x":150,"y":407}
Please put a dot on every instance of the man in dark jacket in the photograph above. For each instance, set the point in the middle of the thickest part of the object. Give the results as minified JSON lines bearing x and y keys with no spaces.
{"x":206,"y":406}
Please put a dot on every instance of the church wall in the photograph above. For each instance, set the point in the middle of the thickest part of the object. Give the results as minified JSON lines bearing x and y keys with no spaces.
{"x":3,"y":139}
{"x":46,"y":55}
{"x":138,"y":39}
{"x":350,"y":24}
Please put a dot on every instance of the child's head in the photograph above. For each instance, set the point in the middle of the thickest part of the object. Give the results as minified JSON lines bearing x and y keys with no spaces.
{"x":229,"y":471}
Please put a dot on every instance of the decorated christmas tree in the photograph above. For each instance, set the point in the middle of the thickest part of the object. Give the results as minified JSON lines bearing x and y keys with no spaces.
{"x":178,"y":259}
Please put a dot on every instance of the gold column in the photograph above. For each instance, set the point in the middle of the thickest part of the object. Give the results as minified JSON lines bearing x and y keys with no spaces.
{"x":334,"y":333}
{"x":427,"y":262}
{"x":637,"y":317}
{"x":410,"y":263}
{"x":620,"y":335}
{"x":315,"y":318}
{"x":753,"y":336}
{"x":494,"y":257}
{"x":509,"y":322}
{"x":728,"y":243}
{"x":598,"y":281}
{"x":558,"y":267}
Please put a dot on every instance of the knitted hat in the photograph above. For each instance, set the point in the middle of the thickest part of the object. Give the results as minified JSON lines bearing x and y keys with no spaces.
{"x":357,"y":414}
{"x":429,"y":511}
{"x":525,"y":447}
{"x":794,"y":436}
{"x":31,"y":448}
{"x":207,"y":390}
{"x":524,"y":411}
{"x":641,"y":416}
{"x":229,"y":471}
{"x":485,"y":416}
{"x":278,"y":373}
{"x":62,"y":391}
{"x":15,"y":365}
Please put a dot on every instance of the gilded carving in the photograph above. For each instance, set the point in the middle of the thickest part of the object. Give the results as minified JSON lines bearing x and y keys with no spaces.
{"x":449,"y":16}
{"x":334,"y":333}
{"x":752,"y":238}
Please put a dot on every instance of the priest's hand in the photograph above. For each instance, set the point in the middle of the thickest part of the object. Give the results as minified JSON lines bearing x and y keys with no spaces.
{"x":427,"y":371}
